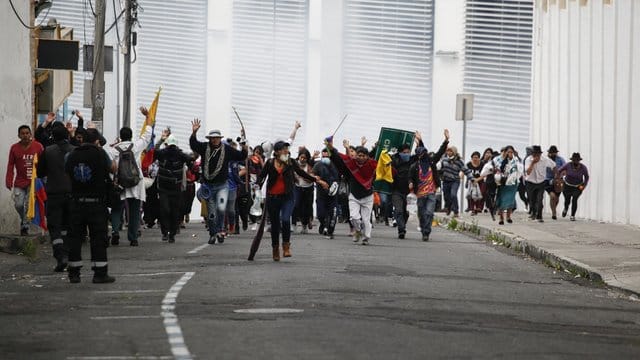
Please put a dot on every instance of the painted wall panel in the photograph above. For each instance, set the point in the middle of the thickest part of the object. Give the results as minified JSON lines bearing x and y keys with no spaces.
{"x":587,"y":63}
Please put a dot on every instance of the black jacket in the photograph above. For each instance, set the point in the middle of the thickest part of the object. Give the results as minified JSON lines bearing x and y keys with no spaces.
{"x":51,"y":166}
{"x":291,"y":166}
{"x":231,"y":154}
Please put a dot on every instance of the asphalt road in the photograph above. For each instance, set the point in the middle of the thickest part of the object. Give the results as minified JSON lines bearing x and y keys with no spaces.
{"x":453,"y":297}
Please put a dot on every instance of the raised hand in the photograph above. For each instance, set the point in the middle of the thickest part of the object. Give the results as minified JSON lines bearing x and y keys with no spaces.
{"x":144,"y":111}
{"x":298,"y":125}
{"x":345,"y":143}
{"x":446,"y":134}
{"x":418,"y":137}
{"x":195,"y":125}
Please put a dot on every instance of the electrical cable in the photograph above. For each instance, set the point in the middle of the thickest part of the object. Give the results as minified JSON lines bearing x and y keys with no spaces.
{"x":91,"y":6}
{"x":114,"y":22}
{"x":22,"y":21}
{"x":113,"y":2}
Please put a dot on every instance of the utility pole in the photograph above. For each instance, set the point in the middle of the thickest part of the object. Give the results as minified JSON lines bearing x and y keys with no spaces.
{"x":126,"y":94}
{"x":97,"y":85}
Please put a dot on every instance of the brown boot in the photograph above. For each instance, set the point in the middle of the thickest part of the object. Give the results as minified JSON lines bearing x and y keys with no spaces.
{"x":286,"y":251}
{"x":276,"y":253}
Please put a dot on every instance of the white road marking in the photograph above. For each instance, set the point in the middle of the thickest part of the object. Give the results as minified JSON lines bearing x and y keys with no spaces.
{"x":124,"y":317}
{"x":268,"y":311}
{"x":126,"y":291}
{"x":120,"y":357}
{"x":198,"y":248}
{"x":176,"y":341}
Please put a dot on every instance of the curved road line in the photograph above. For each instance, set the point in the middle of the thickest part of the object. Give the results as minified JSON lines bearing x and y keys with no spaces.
{"x":176,"y":341}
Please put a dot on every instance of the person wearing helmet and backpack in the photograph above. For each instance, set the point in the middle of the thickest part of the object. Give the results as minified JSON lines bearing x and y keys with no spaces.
{"x":128,"y":176}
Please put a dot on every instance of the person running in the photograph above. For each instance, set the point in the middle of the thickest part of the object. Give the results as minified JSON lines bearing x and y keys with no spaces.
{"x":475,"y":184}
{"x":303,"y":193}
{"x":401,"y":164}
{"x":507,"y":177}
{"x":215,"y":172}
{"x":536,"y":172}
{"x":452,"y":168}
{"x":552,"y":189}
{"x":576,"y":178}
{"x":326,"y":199}
{"x":281,"y":170}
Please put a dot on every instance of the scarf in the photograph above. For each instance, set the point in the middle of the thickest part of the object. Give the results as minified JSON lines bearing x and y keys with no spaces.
{"x":363,"y":174}
{"x":207,"y":157}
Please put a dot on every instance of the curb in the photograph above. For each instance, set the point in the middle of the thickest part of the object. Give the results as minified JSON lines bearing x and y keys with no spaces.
{"x":522,"y":245}
{"x":16,"y":244}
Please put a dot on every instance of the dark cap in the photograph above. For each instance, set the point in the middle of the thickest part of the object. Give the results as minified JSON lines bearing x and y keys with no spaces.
{"x":279,"y":145}
{"x":552,"y":149}
{"x":576,"y":156}
{"x":536,"y":149}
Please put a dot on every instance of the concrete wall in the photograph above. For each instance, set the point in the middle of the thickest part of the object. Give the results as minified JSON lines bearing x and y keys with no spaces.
{"x":586,"y":91}
{"x":15,"y":95}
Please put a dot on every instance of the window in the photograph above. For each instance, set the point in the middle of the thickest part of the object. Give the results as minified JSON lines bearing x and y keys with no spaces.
{"x":387,"y":65}
{"x":497,"y":69}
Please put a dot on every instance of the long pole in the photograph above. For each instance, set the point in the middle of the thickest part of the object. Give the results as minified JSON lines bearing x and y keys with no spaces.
{"x":97,"y":85}
{"x":126,"y":96}
{"x":464,"y":145}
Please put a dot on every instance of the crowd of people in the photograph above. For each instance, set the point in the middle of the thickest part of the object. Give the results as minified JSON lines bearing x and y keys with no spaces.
{"x":90,"y":184}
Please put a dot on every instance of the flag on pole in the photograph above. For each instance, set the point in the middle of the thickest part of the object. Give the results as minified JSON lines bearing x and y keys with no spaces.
{"x":36,"y":211}
{"x":147,"y":156}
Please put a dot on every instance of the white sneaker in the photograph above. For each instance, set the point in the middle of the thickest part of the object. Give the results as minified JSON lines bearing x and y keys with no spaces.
{"x":254,"y":227}
{"x":295,"y":228}
{"x":419,"y":229}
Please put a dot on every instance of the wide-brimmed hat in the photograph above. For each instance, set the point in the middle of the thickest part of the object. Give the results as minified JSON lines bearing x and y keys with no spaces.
{"x":552,"y":149}
{"x":536,"y":149}
{"x":576,"y":156}
{"x":214,"y":134}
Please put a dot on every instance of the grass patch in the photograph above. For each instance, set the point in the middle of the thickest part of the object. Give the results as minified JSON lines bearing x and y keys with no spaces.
{"x":453,"y":224}
{"x":30,"y":250}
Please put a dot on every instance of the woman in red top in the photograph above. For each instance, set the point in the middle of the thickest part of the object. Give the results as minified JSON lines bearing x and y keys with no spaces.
{"x":21,"y":158}
{"x":280,"y":202}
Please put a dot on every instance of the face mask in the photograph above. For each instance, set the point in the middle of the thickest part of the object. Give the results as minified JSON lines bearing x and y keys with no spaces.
{"x":405,"y":157}
{"x":303,"y":161}
{"x":325,"y":160}
{"x":284,"y":157}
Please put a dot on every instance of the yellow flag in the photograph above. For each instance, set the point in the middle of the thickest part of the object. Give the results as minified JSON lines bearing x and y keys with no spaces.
{"x":151,"y":119}
{"x":31,"y":210}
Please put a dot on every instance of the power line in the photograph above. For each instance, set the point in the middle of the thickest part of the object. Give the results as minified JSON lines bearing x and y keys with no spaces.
{"x":22,"y":21}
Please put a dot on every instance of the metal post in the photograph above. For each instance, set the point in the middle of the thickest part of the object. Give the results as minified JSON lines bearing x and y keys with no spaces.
{"x":464,"y":143}
{"x":97,"y":86}
{"x":126,"y":96}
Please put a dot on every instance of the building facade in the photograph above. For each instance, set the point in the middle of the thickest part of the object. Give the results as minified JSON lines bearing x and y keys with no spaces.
{"x":585,"y":97}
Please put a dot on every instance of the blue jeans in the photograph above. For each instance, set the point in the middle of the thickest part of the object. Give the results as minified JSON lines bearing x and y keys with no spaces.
{"x":217,"y":206}
{"x":450,"y":192}
{"x":20,"y":201}
{"x":280,"y":208}
{"x":426,"y":209}
{"x":134,"y":218}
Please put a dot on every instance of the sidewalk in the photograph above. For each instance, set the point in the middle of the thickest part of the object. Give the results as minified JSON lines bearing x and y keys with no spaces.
{"x":602,"y":252}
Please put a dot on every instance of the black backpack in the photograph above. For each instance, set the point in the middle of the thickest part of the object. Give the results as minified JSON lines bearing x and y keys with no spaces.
{"x":128,"y":173}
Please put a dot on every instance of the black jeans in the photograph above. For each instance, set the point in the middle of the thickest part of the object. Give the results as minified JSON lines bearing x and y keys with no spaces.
{"x":303,"y":210}
{"x":243,"y":204}
{"x":326,"y":208}
{"x":151,"y":206}
{"x":94,"y":216}
{"x":571,"y":195}
{"x":170,"y":212}
{"x":536,"y":197}
{"x":400,"y":213}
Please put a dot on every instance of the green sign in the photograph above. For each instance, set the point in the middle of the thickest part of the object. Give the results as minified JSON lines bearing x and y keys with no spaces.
{"x":391,"y":139}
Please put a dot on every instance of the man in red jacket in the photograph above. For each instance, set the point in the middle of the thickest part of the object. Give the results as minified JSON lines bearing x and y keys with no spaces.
{"x":21,"y":158}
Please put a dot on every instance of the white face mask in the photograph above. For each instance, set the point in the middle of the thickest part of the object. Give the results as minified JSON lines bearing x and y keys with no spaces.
{"x":284,"y":157}
{"x":326,"y":160}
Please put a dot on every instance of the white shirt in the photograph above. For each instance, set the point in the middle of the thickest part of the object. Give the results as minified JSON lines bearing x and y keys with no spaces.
{"x":539,"y":171}
{"x":138,"y":191}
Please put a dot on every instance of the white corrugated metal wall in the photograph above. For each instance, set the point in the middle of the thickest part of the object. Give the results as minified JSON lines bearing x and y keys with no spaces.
{"x":586,"y":91}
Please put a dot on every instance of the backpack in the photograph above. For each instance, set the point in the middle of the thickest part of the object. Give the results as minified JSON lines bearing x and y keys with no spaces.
{"x":128,"y":174}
